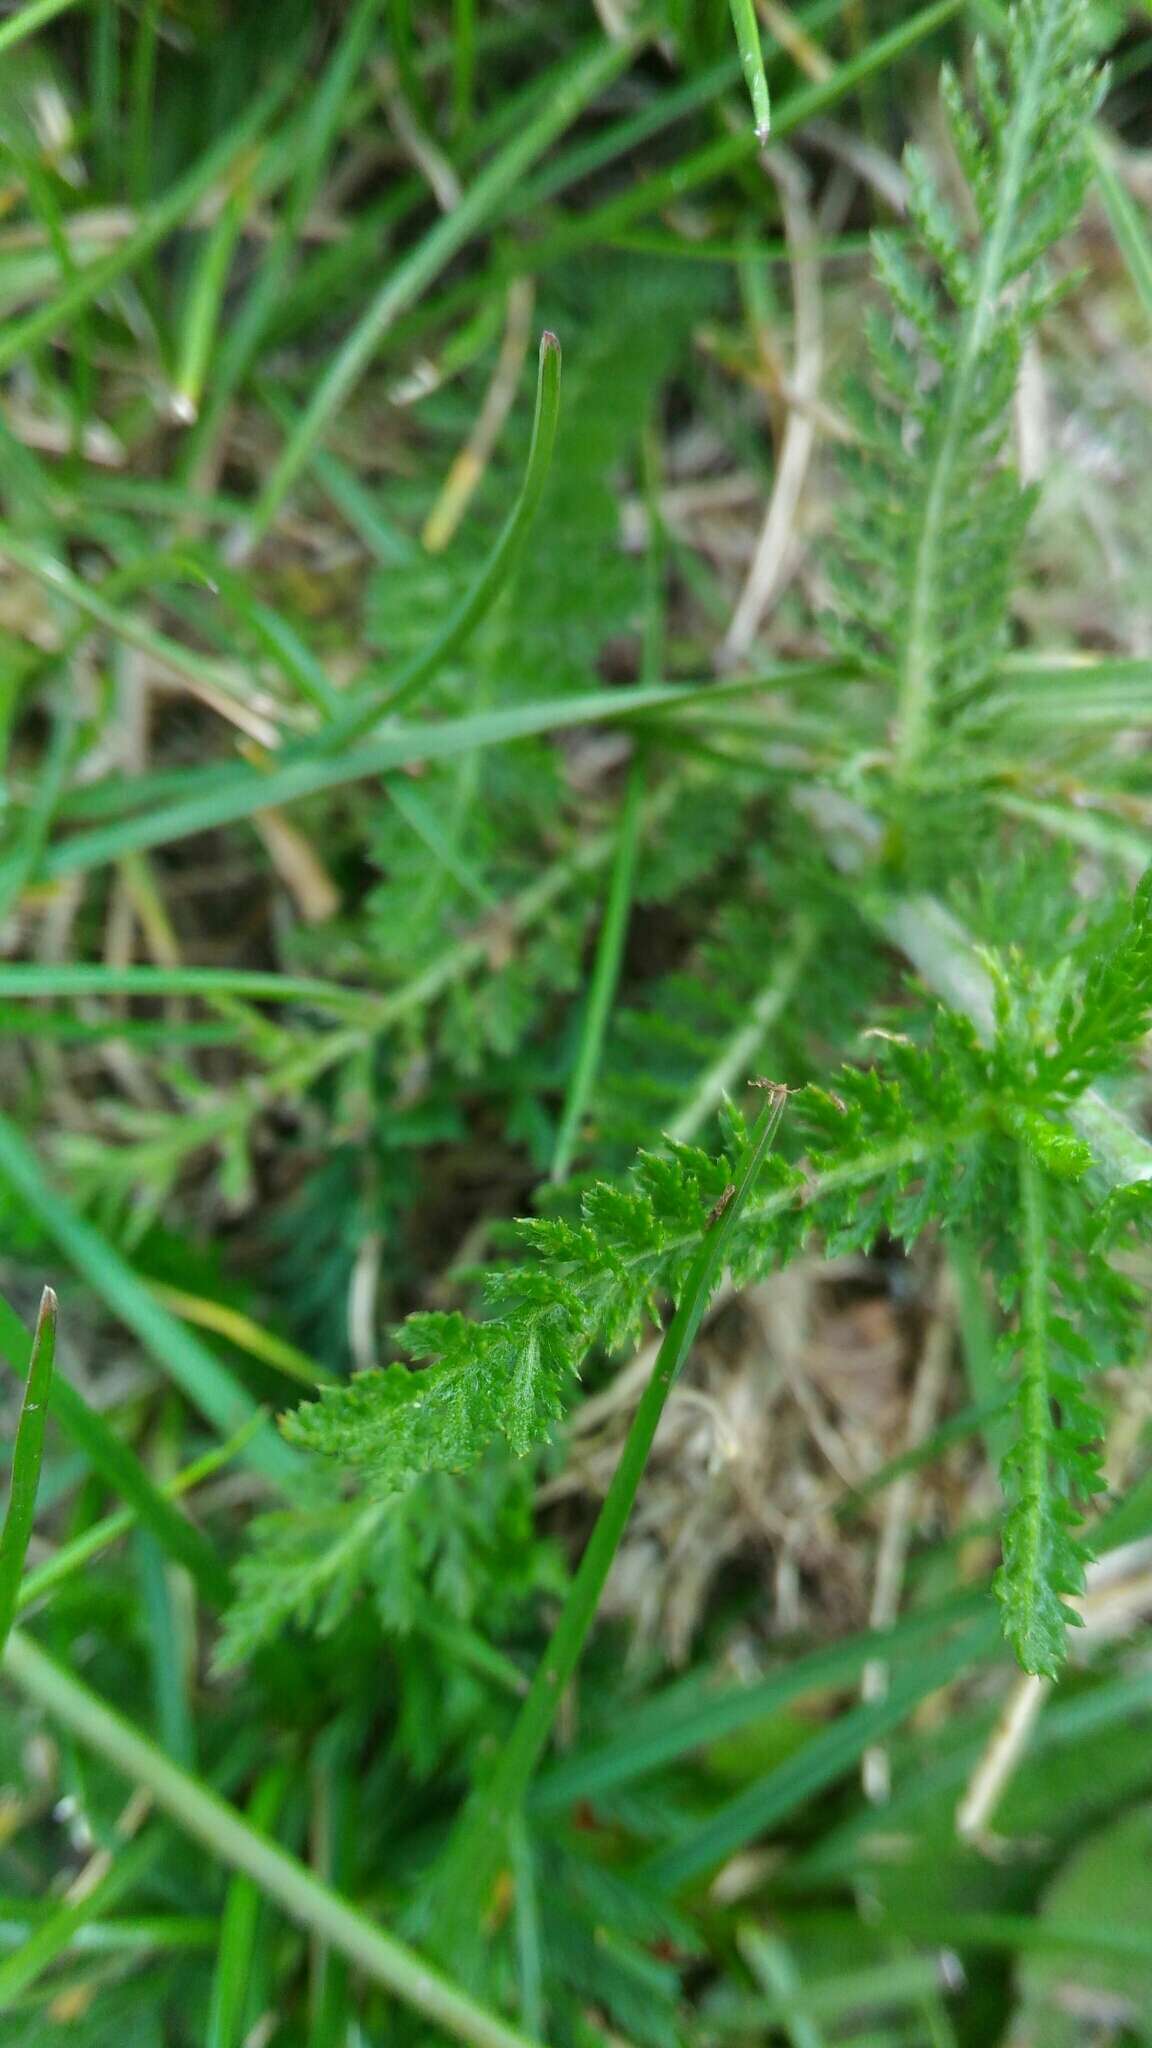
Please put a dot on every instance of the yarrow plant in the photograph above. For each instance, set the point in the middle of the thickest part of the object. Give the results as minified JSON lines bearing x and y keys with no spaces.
{"x":847,"y":952}
{"x":985,"y":1121}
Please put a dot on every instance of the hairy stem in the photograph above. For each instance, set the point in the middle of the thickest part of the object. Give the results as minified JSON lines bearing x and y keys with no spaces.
{"x":1035,"y":1406}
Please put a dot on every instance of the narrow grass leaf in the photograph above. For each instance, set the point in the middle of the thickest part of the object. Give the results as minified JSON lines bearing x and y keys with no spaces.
{"x":1128,"y":223}
{"x":690,"y":1715}
{"x":230,"y":1839}
{"x":79,"y":978}
{"x":576,"y":85}
{"x":93,"y":1541}
{"x":27,"y":1457}
{"x":229,"y":797}
{"x":205,"y":300}
{"x":167,"y":1649}
{"x":36,"y":823}
{"x":24,"y":336}
{"x":122,"y":1470}
{"x":27,"y":20}
{"x":774,"y":1968}
{"x":246,"y":1334}
{"x":228,"y":2016}
{"x":400,"y":690}
{"x":716,"y":159}
{"x":605,"y":975}
{"x":59,"y":1931}
{"x":207,"y":1383}
{"x":752,"y":64}
{"x":822,"y":1761}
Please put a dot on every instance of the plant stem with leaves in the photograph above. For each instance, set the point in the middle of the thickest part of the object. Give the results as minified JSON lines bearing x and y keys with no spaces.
{"x":481,"y":1841}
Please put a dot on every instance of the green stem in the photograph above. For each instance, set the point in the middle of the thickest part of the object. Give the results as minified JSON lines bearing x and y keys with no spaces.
{"x":475,"y":1853}
{"x":716,"y":159}
{"x":205,"y":304}
{"x":36,"y":823}
{"x":232,"y":1980}
{"x":978,"y":1347}
{"x":228,"y":1837}
{"x":1033,"y":1404}
{"x":62,"y":1928}
{"x":605,"y":974}
{"x":1127,"y":221}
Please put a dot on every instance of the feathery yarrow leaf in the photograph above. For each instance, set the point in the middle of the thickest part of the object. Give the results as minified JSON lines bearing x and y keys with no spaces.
{"x":925,"y":575}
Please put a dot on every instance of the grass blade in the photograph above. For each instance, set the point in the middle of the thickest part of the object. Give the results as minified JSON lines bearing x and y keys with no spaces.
{"x":1128,"y":224}
{"x":580,"y":83}
{"x":165,"y":1636}
{"x":828,"y":1757}
{"x":244,"y":333}
{"x":752,"y":64}
{"x":28,"y":20}
{"x":716,"y":159}
{"x":231,"y":1982}
{"x":333,"y":1831}
{"x":232,"y":1840}
{"x":93,"y":1541}
{"x":225,"y":798}
{"x":121,"y":1469}
{"x":37,"y":821}
{"x":207,"y":1383}
{"x":205,"y":303}
{"x":24,"y":336}
{"x":493,"y":576}
{"x":197,"y":668}
{"x":605,"y":976}
{"x":80,"y":978}
{"x":687,"y":1717}
{"x":246,"y":1334}
{"x":774,"y":1969}
{"x":26,"y":1461}
{"x":60,"y":1929}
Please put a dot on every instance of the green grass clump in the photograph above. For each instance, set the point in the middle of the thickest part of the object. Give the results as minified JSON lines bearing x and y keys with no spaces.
{"x":577,"y":985}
